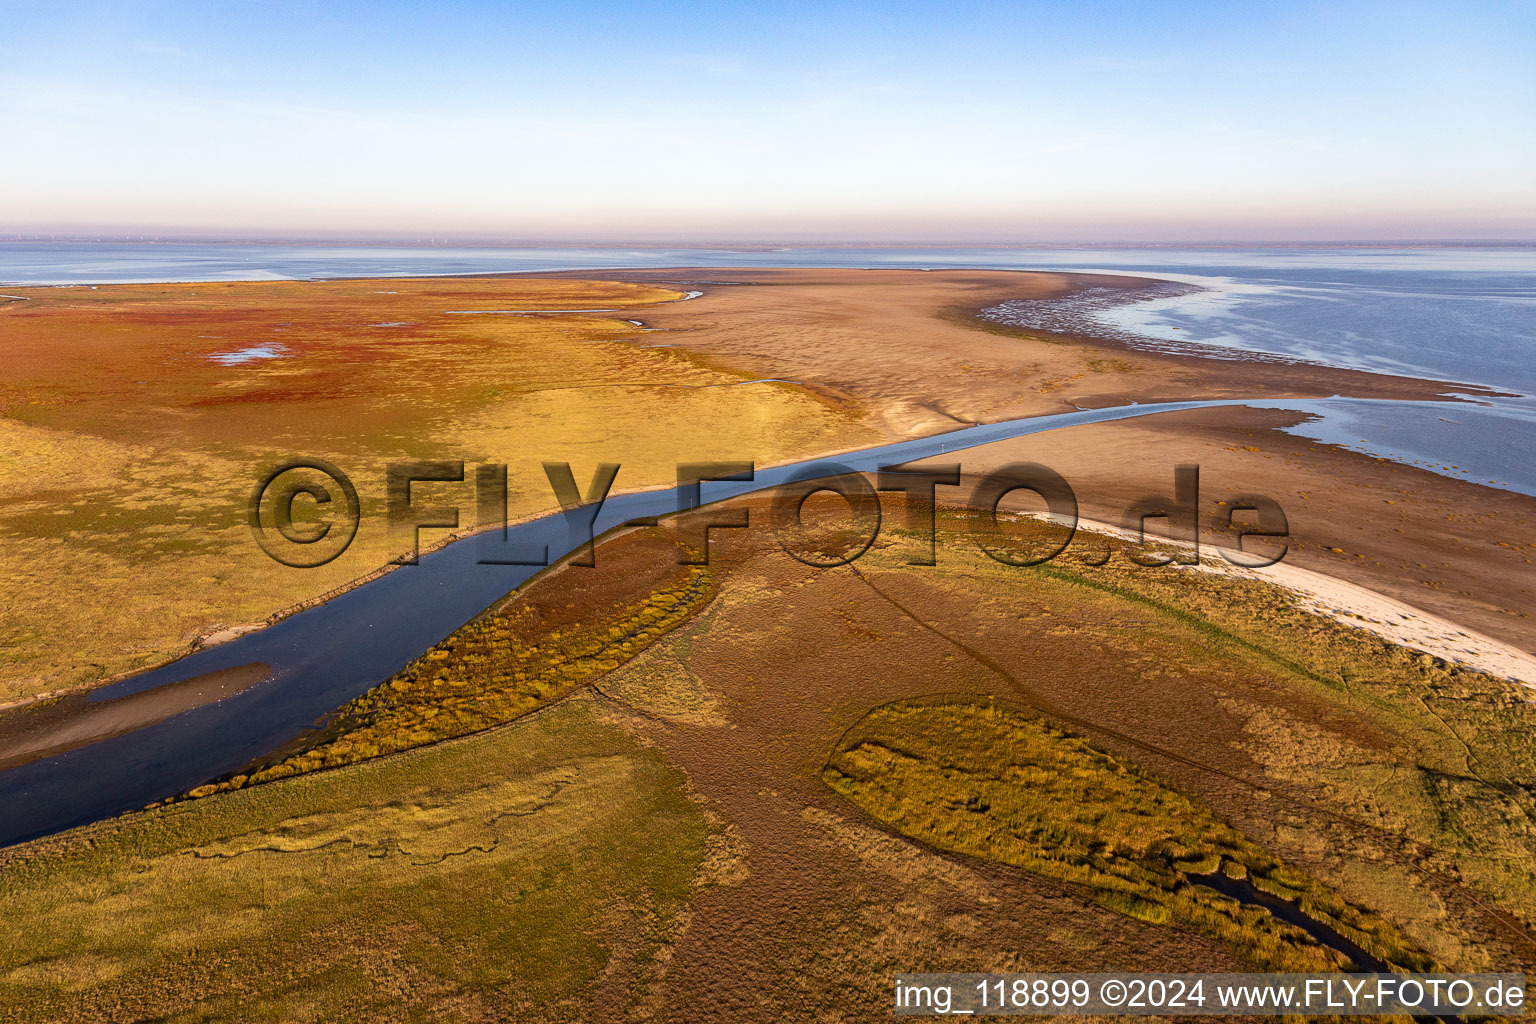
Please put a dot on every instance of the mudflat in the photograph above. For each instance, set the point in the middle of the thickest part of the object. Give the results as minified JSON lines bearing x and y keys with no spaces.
{"x":906,"y":348}
{"x":44,"y":728}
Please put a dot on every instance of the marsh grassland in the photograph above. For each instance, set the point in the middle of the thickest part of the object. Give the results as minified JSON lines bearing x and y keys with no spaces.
{"x":524,"y":869}
{"x":757,"y":790}
{"x":135,"y":420}
{"x":979,"y":778}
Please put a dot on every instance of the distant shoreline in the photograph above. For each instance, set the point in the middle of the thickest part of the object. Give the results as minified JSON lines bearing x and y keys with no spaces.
{"x":772,"y":246}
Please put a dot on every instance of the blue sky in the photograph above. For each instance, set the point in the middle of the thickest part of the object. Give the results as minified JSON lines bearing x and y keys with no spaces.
{"x":982,"y":121}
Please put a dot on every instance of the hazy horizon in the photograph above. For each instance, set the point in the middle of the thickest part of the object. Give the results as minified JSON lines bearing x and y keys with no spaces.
{"x":726,"y":243}
{"x":665,"y":123}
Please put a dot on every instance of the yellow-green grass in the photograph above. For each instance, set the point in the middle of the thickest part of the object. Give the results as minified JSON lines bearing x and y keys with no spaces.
{"x":983,"y":779}
{"x":127,"y":455}
{"x":506,"y":663}
{"x":524,"y":873}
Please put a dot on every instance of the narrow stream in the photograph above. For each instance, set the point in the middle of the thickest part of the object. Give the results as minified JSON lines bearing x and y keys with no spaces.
{"x":1244,"y":891}
{"x":325,"y":656}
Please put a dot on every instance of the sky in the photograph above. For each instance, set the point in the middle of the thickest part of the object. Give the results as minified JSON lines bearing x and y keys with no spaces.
{"x":984,"y":122}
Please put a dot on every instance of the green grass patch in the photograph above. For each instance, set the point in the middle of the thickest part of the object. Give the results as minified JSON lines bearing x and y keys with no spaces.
{"x":983,"y":779}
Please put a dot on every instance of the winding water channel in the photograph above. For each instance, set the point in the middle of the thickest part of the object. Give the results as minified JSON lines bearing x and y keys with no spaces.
{"x":323,"y":657}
